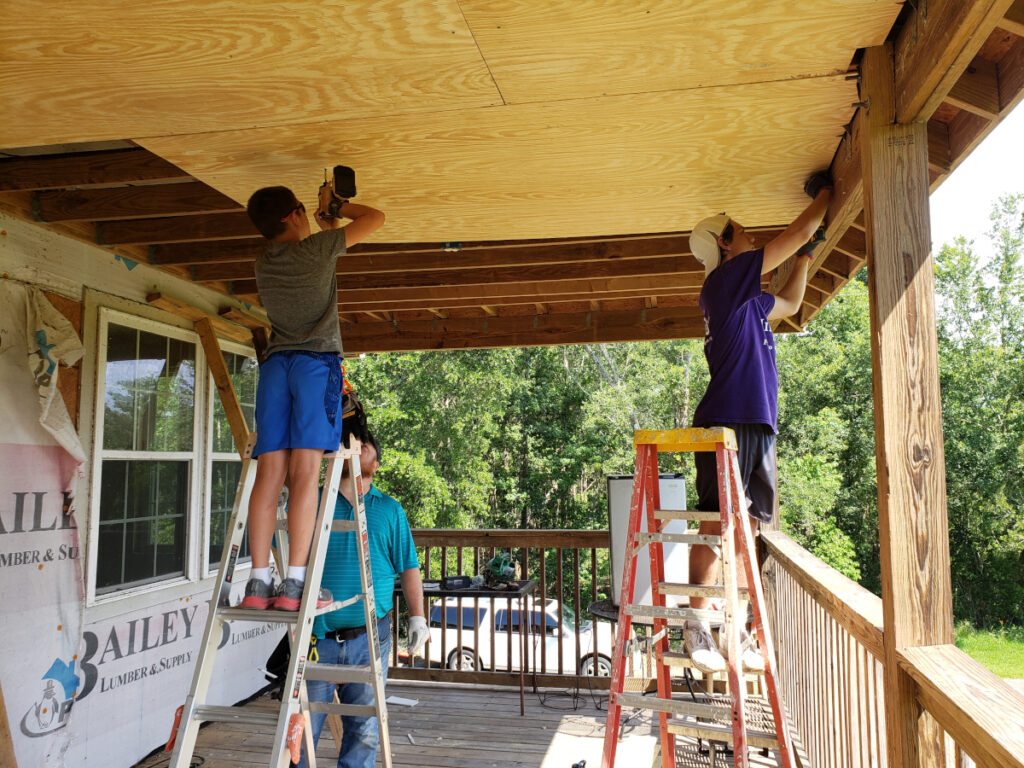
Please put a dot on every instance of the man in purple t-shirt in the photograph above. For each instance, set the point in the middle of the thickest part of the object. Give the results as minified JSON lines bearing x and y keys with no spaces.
{"x":743,"y":391}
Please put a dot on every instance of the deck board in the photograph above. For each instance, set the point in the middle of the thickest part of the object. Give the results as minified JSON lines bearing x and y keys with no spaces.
{"x":471,"y":727}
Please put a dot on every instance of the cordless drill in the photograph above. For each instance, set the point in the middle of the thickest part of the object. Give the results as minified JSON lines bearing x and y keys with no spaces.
{"x":339,"y":189}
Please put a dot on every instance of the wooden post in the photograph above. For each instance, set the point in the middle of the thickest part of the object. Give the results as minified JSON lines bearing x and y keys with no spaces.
{"x":913,"y":534}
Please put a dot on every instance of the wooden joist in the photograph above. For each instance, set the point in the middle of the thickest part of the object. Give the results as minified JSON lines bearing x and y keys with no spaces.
{"x":130,"y":202}
{"x":551,"y":329}
{"x":177,"y":229}
{"x":124,"y":166}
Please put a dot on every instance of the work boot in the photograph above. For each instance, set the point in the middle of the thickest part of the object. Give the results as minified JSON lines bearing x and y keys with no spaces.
{"x":289,"y":594}
{"x":258,"y":594}
{"x":702,"y":649}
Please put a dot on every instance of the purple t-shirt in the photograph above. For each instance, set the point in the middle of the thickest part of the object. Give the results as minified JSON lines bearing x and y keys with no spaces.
{"x":739,"y":346}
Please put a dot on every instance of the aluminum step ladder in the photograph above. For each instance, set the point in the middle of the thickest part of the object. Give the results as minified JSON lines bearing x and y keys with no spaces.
{"x":292,"y":721}
{"x":736,"y":720}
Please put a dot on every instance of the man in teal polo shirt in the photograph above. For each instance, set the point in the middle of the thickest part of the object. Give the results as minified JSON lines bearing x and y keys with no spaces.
{"x":340,"y":637}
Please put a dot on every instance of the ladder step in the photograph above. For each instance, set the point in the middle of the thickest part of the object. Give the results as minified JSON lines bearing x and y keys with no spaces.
{"x":355,"y":710}
{"x":645,"y":537}
{"x":674,"y":706}
{"x":340,"y":526}
{"x":268,"y":615}
{"x":223,"y":714}
{"x":684,"y":614}
{"x":695,"y":730}
{"x":682,"y":660}
{"x":686,"y":514}
{"x":340,"y":673}
{"x":697,"y":590}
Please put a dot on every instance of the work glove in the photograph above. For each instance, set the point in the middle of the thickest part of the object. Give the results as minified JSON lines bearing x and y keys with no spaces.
{"x":811,"y":245}
{"x":817,"y":181}
{"x":418,"y":634}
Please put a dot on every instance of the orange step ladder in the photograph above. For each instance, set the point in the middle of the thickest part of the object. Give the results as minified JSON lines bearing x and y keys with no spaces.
{"x":678,"y":716}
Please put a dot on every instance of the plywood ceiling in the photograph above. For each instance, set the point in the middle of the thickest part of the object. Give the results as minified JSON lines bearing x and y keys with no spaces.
{"x":464,"y":121}
{"x":540,"y":163}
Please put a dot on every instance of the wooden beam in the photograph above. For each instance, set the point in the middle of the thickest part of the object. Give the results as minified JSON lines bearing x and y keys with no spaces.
{"x":123,"y":166}
{"x":524,"y":330}
{"x":131,"y":202}
{"x":179,"y":229}
{"x":981,"y":711}
{"x":214,"y":251}
{"x":223,"y":327}
{"x":483,"y":294}
{"x":939,"y":156}
{"x":977,"y":90}
{"x":934,"y":47}
{"x":910,"y":463}
{"x":222,"y":379}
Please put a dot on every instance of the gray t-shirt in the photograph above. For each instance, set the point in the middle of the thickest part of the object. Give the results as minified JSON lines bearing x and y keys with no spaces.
{"x":298,"y":287}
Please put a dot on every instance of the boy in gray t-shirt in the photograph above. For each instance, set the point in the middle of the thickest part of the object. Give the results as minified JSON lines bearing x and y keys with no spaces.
{"x":298,"y":399}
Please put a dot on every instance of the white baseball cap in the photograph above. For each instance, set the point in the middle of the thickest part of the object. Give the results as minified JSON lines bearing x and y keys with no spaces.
{"x":704,"y":241}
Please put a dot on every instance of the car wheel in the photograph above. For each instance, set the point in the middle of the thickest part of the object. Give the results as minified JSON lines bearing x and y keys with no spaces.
{"x":603,"y":667}
{"x":463,"y":659}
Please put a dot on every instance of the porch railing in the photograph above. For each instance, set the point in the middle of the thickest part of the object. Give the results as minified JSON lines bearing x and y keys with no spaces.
{"x":829,"y":635}
{"x":570,"y":567}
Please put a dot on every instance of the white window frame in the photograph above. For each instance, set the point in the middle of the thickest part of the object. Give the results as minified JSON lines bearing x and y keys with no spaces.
{"x":212,"y":456}
{"x":196,"y":458}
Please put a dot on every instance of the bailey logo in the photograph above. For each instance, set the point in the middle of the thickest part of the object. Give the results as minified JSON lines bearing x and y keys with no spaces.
{"x":50,"y":711}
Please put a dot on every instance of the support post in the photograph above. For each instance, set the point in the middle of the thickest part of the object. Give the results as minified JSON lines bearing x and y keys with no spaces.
{"x":913,"y":532}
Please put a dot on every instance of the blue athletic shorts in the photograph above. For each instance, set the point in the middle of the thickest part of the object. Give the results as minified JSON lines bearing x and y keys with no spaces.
{"x":298,"y":402}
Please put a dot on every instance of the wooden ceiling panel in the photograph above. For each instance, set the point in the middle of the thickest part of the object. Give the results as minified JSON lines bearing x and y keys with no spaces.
{"x":617,"y":165}
{"x":570,"y":49}
{"x":107,"y":69}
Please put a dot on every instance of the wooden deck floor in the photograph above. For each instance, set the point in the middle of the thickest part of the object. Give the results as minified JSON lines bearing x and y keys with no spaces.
{"x":460,"y":727}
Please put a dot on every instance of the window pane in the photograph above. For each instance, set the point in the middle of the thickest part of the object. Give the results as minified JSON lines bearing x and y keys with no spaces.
{"x":149,"y":398}
{"x":119,"y":398}
{"x":143,"y":514}
{"x":244,"y":373}
{"x":224,"y":476}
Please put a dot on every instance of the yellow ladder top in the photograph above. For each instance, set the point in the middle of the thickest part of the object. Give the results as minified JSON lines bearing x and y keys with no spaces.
{"x":693,"y":439}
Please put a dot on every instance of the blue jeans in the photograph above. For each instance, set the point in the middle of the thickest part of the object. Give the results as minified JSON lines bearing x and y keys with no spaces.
{"x":360,"y":737}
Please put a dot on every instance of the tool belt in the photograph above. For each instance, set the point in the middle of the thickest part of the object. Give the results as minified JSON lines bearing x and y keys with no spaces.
{"x":351,"y":633}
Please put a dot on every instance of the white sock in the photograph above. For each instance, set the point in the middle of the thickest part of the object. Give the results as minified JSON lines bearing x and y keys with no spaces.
{"x":263,"y":574}
{"x":297,"y":572}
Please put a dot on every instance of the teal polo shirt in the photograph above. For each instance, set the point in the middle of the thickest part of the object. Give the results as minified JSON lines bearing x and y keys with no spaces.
{"x":391,"y":552}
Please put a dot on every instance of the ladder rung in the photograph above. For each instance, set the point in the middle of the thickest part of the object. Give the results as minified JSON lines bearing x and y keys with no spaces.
{"x":223,"y":714}
{"x":686,"y":514}
{"x":340,"y":526}
{"x":355,"y":710}
{"x":645,"y":537}
{"x":676,"y":659}
{"x":674,"y":706}
{"x":340,"y":673}
{"x":268,"y":615}
{"x":697,"y":590}
{"x":686,"y":614}
{"x":695,"y":730}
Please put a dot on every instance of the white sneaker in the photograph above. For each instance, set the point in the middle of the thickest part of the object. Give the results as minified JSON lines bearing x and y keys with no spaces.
{"x":702,"y":649}
{"x":750,"y":654}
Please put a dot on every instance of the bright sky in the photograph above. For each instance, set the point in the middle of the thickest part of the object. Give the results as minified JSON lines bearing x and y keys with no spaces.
{"x":961,"y":206}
